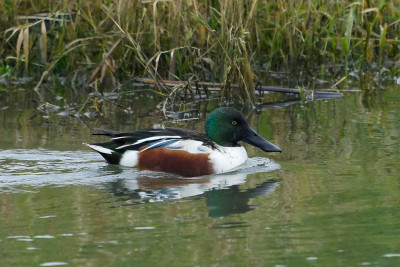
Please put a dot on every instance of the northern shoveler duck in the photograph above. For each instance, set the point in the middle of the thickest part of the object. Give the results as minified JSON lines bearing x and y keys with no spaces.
{"x":186,"y":152}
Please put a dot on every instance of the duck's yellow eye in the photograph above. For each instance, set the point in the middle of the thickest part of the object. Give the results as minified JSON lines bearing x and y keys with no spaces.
{"x":234,"y":122}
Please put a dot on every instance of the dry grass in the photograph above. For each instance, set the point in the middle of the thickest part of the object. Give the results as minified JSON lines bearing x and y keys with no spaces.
{"x":214,"y":40}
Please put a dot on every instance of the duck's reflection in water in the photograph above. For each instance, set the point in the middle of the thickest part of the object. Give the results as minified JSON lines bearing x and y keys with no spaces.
{"x":222,"y":192}
{"x":223,"y":202}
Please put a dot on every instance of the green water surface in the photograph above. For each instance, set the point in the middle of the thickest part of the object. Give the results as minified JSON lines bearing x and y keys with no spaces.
{"x":332,"y":197}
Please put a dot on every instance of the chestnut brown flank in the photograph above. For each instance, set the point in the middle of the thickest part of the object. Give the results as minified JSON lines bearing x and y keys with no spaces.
{"x":175,"y":161}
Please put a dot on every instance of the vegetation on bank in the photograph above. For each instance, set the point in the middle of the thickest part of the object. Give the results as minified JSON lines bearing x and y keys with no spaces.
{"x":100,"y":44}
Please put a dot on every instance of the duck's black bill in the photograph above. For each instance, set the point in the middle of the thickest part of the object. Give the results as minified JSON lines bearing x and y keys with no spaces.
{"x":254,"y":139}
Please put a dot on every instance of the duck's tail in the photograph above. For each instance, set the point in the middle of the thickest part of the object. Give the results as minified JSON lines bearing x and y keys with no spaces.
{"x":110,"y":155}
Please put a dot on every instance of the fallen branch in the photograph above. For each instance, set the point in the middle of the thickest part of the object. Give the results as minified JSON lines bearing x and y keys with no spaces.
{"x":217,"y":86}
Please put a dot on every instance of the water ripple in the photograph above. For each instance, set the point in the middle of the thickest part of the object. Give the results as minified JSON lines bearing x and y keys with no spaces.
{"x":24,"y":169}
{"x":55,"y":263}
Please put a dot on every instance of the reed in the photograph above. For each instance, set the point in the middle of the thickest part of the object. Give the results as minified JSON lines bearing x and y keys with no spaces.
{"x":108,"y":42}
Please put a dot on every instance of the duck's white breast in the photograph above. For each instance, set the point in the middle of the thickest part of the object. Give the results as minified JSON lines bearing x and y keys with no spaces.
{"x":223,"y":159}
{"x":227,"y":158}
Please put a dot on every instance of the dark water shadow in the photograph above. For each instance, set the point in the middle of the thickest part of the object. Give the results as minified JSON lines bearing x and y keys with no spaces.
{"x":233,"y":200}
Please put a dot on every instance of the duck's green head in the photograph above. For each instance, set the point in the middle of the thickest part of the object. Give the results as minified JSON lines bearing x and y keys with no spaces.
{"x":227,"y":126}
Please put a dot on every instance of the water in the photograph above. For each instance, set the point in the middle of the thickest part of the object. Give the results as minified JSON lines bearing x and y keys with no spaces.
{"x":330,"y":199}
